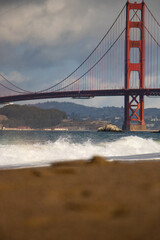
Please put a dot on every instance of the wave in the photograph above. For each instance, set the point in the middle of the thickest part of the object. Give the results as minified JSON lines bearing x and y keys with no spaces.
{"x":63,"y":149}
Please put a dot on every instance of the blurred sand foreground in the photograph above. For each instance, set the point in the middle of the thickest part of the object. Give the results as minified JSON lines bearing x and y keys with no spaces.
{"x":82,"y":201}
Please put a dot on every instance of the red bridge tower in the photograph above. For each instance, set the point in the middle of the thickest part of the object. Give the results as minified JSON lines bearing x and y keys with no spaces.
{"x":134,"y":103}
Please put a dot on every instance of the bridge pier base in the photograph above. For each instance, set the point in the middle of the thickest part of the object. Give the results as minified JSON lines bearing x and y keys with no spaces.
{"x":135,"y":127}
{"x":134,"y":113}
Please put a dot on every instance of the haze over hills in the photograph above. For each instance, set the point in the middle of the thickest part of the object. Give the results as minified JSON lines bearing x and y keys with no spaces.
{"x":68,"y":115}
{"x":81,"y":111}
{"x":114,"y":115}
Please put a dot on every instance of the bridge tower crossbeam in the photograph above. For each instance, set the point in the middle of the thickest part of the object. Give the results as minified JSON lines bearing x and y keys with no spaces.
{"x":134,"y":104}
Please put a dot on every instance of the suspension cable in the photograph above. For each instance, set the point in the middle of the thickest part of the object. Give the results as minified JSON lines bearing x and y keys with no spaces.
{"x":152,"y":15}
{"x":148,"y":31}
{"x":98,"y":60}
{"x":10,"y":88}
{"x":94,"y":64}
{"x":87,"y":57}
{"x":14,"y":84}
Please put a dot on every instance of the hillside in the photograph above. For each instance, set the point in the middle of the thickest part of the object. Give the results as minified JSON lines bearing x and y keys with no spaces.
{"x":69,"y":115}
{"x":22,"y":115}
{"x":81,"y":111}
{"x":114,"y":115}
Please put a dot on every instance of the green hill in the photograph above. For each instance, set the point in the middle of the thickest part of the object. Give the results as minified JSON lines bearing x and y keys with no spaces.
{"x":114,"y":115}
{"x":30,"y":116}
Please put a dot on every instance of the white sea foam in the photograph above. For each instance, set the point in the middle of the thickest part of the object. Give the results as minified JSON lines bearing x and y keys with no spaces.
{"x":126,"y":148}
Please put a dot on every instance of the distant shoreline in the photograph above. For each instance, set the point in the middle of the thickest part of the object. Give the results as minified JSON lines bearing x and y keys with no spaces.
{"x":47,"y":130}
{"x":67,"y":130}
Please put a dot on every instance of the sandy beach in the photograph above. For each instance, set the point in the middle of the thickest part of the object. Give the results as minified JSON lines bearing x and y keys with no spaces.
{"x":81,"y":200}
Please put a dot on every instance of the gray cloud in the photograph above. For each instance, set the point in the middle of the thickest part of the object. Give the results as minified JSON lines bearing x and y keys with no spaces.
{"x":22,"y":2}
{"x":53,"y":36}
{"x":51,"y":27}
{"x":46,"y":23}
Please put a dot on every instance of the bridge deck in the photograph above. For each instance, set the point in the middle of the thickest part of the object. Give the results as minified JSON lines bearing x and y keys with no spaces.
{"x":81,"y":94}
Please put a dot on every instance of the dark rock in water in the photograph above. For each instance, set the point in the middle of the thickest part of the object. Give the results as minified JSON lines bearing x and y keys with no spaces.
{"x":110,"y":128}
{"x":156,"y":131}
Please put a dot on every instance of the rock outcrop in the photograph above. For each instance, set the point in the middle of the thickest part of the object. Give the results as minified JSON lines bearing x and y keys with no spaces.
{"x":110,"y":128}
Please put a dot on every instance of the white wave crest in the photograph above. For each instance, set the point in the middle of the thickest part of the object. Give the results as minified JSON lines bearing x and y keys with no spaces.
{"x":25,"y":155}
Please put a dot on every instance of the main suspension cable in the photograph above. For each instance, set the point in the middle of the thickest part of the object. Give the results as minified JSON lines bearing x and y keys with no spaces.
{"x":88,"y":56}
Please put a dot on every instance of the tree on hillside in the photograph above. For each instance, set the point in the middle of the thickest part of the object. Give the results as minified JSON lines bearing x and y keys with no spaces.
{"x":31,"y":116}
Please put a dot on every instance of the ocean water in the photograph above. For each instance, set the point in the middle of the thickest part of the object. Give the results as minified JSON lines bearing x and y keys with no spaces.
{"x":21,"y":149}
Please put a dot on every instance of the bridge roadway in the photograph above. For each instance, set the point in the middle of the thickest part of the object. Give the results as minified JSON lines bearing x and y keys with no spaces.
{"x":80,"y":94}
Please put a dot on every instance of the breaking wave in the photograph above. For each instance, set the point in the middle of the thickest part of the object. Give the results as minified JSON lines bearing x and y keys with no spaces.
{"x":64,"y":148}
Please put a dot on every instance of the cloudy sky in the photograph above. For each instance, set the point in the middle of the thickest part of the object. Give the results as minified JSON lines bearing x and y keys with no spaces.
{"x":44,"y":40}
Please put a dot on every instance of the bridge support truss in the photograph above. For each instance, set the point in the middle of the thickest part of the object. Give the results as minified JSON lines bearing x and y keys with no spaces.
{"x":134,"y":103}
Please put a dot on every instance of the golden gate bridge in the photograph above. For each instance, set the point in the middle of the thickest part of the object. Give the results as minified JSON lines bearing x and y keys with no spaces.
{"x":126,"y":62}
